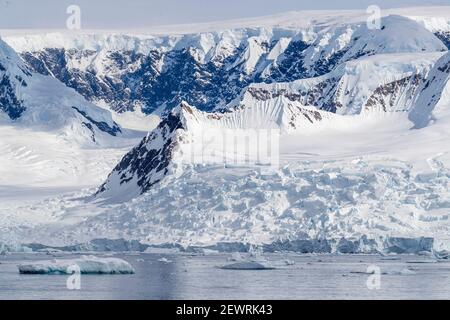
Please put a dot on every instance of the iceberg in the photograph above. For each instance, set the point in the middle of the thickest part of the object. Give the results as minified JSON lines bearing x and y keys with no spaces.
{"x":164,"y":260}
{"x":86,"y":264}
{"x":246,"y":266}
{"x":403,"y":272}
{"x":442,"y":255}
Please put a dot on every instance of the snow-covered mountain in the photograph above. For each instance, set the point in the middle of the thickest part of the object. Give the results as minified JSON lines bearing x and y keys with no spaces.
{"x":34,"y":101}
{"x":12,"y":75}
{"x":409,"y":80}
{"x":361,"y":116}
{"x":125,"y":72}
{"x":387,"y":82}
{"x":360,"y":71}
{"x":52,"y":136}
{"x":184,"y":138}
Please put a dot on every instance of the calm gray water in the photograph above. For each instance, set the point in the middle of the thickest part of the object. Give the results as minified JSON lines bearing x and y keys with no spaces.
{"x":197,"y":277}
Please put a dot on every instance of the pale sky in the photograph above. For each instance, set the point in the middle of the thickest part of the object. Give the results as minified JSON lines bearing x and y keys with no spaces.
{"x":118,"y":14}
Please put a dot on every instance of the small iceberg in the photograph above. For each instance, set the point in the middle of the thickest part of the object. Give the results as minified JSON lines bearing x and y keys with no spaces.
{"x":407,"y":272}
{"x":86,"y":265}
{"x":421,"y":261}
{"x":288,"y":262}
{"x":403,"y":272}
{"x":442,"y":255}
{"x":165,"y":260}
{"x":246,"y":266}
{"x":49,"y":250}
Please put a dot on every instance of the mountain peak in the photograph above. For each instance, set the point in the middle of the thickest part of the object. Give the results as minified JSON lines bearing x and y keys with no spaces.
{"x":33,"y":100}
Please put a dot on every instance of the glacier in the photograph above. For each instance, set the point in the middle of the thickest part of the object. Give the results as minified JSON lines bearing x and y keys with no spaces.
{"x":363,"y":119}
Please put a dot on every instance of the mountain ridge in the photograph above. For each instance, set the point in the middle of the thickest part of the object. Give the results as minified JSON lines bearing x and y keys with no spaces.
{"x":126,"y":72}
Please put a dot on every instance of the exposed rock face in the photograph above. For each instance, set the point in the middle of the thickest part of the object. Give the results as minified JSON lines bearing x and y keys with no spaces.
{"x":387,"y":96}
{"x":149,"y":162}
{"x":13,"y":78}
{"x":9,"y":102}
{"x":322,"y":95}
{"x":357,"y":86}
{"x":112,"y":129}
{"x":444,"y":36}
{"x":121,"y":84}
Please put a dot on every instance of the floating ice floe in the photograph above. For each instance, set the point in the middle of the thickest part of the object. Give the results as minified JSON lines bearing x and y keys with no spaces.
{"x":402,"y":272}
{"x":246,"y":266}
{"x":86,"y":265}
{"x":421,"y":261}
{"x":289,"y":262}
{"x":49,"y":250}
{"x":407,"y":272}
{"x":165,"y":260}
